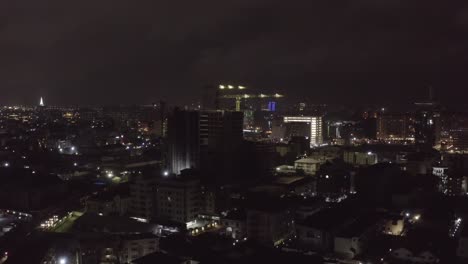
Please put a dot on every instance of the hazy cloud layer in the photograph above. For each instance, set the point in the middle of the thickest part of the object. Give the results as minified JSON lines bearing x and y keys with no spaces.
{"x":103,"y":51}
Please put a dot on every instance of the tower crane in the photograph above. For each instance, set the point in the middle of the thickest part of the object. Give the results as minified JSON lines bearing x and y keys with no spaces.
{"x":235,"y":92}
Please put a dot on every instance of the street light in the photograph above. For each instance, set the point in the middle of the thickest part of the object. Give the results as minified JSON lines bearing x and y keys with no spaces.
{"x":63,"y":260}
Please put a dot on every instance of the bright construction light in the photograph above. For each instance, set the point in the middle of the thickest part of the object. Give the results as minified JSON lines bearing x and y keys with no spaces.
{"x":369,"y":153}
{"x":241,"y":87}
{"x":166,"y":173}
{"x":73,"y":148}
{"x":230,"y":87}
{"x":407,"y":214}
{"x":221,"y":87}
{"x":416,"y":217}
{"x":62,"y":261}
{"x":6,"y":164}
{"x":278,"y":169}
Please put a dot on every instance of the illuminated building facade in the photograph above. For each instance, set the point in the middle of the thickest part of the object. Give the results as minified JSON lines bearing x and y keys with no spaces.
{"x":394,"y":127}
{"x":184,"y":140}
{"x":205,"y":140}
{"x":315,"y":123}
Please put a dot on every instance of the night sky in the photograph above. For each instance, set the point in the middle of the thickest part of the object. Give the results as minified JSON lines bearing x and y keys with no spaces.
{"x":139,"y":51}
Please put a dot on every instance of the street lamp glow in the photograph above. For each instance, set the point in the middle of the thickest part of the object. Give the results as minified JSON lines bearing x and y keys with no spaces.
{"x":62,"y":261}
{"x":166,"y":173}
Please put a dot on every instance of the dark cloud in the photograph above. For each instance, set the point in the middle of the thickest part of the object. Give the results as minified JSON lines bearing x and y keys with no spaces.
{"x":118,"y":51}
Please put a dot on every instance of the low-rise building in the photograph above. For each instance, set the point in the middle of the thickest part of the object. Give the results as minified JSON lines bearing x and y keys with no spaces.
{"x":235,"y":224}
{"x":136,"y":246}
{"x":360,"y":158}
{"x":309,"y":166}
{"x":110,"y":202}
{"x":354,"y":238}
{"x":269,"y":225}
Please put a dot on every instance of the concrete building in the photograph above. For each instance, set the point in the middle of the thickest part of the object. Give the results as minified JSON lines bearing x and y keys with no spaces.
{"x":406,"y":255}
{"x":184,"y":140}
{"x":178,"y":199}
{"x":354,"y":239}
{"x":136,"y":246}
{"x":427,"y":124}
{"x":235,"y":224}
{"x":208,"y":140}
{"x":462,"y":250}
{"x":452,"y":180}
{"x":269,"y":226}
{"x":310,"y":166}
{"x":317,"y":231}
{"x":111,"y":202}
{"x":143,"y":196}
{"x":360,"y":158}
{"x":395,"y":127}
{"x":118,"y":205}
{"x":315,"y":131}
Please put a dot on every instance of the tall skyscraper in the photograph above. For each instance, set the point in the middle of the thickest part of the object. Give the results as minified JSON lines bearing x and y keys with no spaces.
{"x":184,"y":140}
{"x":427,"y":122}
{"x":207,"y":140}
